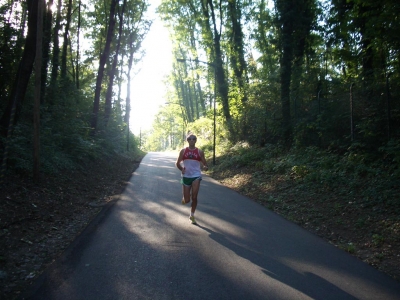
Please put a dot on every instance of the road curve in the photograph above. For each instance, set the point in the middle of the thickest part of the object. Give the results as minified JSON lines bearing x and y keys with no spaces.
{"x":144,"y":247}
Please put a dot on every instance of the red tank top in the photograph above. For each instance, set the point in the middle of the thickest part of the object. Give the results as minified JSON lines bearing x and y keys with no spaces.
{"x":191,"y":154}
{"x":191,"y":162}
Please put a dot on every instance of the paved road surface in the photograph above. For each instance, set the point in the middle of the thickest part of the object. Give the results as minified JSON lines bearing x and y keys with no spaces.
{"x":144,"y":247}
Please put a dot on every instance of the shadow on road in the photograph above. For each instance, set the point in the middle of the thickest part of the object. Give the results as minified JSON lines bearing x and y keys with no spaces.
{"x":284,"y":274}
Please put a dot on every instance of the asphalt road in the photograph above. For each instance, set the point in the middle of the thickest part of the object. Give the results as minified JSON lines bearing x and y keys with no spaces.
{"x":144,"y":247}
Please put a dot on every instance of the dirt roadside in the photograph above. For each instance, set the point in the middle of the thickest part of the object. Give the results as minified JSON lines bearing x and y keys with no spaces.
{"x":38,"y":222}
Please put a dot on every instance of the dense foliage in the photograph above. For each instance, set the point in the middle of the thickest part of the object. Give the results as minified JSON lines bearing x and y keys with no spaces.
{"x":75,"y":92}
{"x":295,"y":73}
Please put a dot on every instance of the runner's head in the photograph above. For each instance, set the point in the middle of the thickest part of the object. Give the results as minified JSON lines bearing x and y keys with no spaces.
{"x":191,"y":138}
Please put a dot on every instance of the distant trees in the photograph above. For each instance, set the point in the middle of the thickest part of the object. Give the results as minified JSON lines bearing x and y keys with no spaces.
{"x":284,"y":69}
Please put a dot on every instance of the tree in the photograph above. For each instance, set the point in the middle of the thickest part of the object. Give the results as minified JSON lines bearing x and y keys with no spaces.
{"x":46,"y":47}
{"x":38,"y":89}
{"x":102,"y":62}
{"x":137,"y":30}
{"x":23,"y":74}
{"x":65,"y":40}
{"x":113,"y":69}
{"x":56,"y":46}
{"x":237,"y":59}
{"x":222,"y":85}
{"x":64,"y":124}
{"x":78,"y":46}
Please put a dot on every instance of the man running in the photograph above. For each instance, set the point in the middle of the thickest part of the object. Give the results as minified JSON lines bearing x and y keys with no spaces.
{"x":188,"y":163}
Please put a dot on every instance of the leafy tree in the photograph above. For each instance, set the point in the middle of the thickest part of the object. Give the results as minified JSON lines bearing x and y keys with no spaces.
{"x":67,"y":102}
{"x":113,"y":69}
{"x":23,"y":74}
{"x":207,"y":19}
{"x":103,"y":61}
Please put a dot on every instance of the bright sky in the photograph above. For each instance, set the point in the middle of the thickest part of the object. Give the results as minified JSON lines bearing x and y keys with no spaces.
{"x":147,"y":88}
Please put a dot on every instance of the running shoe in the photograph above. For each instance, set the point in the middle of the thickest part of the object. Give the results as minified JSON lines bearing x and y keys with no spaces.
{"x":183,"y":201}
{"x":192,"y":219}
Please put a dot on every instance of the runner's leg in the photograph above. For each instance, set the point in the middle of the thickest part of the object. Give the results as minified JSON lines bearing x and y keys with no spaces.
{"x":195,"y":191}
{"x":186,"y":193}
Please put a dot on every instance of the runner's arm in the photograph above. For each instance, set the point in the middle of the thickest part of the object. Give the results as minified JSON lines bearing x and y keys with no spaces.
{"x":179,"y":160}
{"x":203,"y":159}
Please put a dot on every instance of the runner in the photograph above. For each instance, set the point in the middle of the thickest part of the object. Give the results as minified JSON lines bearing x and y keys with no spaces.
{"x":188,"y":163}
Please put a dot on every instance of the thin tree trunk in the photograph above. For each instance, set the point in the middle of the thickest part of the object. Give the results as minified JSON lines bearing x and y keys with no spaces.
{"x":120,"y":80}
{"x":56,"y":46}
{"x":287,"y":24}
{"x":127,"y":116}
{"x":25,"y":12}
{"x":103,"y":60}
{"x":46,"y":48}
{"x":191,"y":103}
{"x":78,"y":47}
{"x":133,"y":37}
{"x":71,"y":59}
{"x":128,"y":92}
{"x":367,"y":53}
{"x":221,"y":83}
{"x":198,"y":91}
{"x":38,"y":87}
{"x":238,"y":61}
{"x":113,"y":70}
{"x":65,"y":41}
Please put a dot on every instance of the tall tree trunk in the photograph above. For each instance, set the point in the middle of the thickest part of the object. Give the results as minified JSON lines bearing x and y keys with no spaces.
{"x":103,"y":60}
{"x":304,"y":10}
{"x":25,"y":12}
{"x":65,"y":40}
{"x":24,"y":72}
{"x":367,"y":54}
{"x":132,"y":39}
{"x":178,"y":88}
{"x":72,"y":61}
{"x":128,"y":89}
{"x":238,"y":61}
{"x":118,"y":106}
{"x":133,"y":46}
{"x":185,"y":100}
{"x":56,"y":46}
{"x":287,"y":16}
{"x":189,"y":93}
{"x":220,"y":77}
{"x":113,"y":69}
{"x":197,"y":89}
{"x":196,"y":100}
{"x":38,"y":87}
{"x":46,"y":47}
{"x":78,"y":54}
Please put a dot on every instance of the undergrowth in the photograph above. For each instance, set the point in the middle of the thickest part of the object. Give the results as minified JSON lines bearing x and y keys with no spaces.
{"x":323,"y":170}
{"x":65,"y":147}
